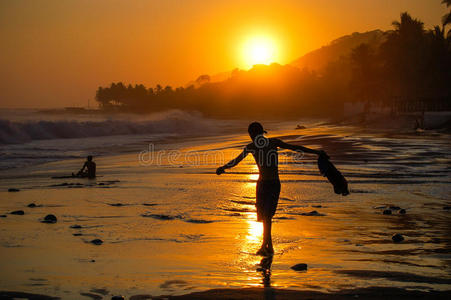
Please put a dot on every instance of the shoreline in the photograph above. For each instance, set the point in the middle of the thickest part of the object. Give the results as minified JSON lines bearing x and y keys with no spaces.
{"x":371,"y":293}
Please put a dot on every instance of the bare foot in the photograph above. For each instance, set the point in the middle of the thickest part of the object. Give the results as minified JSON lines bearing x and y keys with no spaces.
{"x":262,"y":252}
{"x":265,"y":251}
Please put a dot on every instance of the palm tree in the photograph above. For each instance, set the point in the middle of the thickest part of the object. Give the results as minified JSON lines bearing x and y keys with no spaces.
{"x":446,"y":19}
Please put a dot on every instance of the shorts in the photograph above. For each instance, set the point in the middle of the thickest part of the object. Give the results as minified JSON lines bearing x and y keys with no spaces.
{"x":267,"y":197}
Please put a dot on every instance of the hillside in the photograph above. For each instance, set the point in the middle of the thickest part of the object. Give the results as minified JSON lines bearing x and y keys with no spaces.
{"x":319,"y":58}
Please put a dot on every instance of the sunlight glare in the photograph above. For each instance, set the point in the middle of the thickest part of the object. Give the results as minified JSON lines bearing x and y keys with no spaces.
{"x":259,"y":50}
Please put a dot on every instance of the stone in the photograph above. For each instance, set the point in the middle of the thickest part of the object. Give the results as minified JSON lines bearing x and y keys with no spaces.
{"x":2,"y":216}
{"x":393,"y":207}
{"x":397,"y":238}
{"x":299,"y":267}
{"x":13,"y":190}
{"x":117,"y":298}
{"x":402,"y":211}
{"x":50,"y":219}
{"x":447,"y":207}
{"x":17,"y":212}
{"x":387,"y":212}
{"x":31,"y":205}
{"x":97,"y":242}
{"x":76,"y":226}
{"x":313,"y":213}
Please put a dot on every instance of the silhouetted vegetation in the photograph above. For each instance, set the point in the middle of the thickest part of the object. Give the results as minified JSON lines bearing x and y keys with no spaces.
{"x":408,"y":64}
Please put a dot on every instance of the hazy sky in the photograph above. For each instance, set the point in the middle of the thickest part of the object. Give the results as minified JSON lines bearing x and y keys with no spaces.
{"x":56,"y":53}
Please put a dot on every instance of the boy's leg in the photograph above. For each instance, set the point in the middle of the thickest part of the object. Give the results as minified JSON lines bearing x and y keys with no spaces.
{"x":262,"y":250}
{"x":268,"y":244}
{"x":266,"y":247}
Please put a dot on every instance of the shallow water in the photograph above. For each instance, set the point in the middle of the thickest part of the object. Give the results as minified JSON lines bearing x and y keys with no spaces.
{"x":169,"y":225}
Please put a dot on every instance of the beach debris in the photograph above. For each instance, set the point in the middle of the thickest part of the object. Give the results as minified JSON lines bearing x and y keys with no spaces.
{"x":387,"y":212}
{"x":92,"y":296}
{"x":17,"y":212}
{"x":402,"y":211}
{"x":50,"y":219}
{"x":299,"y":267}
{"x":380,"y":207}
{"x":116,"y":204}
{"x":313,"y":213}
{"x":117,"y":298}
{"x":198,"y":221}
{"x":397,"y":238}
{"x":76,"y":226}
{"x":100,"y":291}
{"x":13,"y":190}
{"x":97,"y":242}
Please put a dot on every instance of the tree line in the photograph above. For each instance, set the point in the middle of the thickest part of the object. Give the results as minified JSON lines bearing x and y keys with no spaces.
{"x":411,"y":65}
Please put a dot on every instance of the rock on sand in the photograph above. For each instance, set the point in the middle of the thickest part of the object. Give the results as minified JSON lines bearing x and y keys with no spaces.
{"x":299,"y":267}
{"x":50,"y":219}
{"x":397,"y":238}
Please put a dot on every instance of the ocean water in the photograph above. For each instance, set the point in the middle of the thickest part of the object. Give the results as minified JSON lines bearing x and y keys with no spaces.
{"x":30,"y":137}
{"x":169,"y":225}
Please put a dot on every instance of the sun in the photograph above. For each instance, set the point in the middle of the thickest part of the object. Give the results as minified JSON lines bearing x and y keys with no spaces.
{"x":259,"y":50}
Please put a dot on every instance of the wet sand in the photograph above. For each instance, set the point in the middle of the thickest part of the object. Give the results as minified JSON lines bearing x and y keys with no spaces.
{"x":174,"y":228}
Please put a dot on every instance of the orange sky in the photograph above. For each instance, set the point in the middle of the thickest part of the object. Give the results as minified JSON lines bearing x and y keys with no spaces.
{"x":56,"y":53}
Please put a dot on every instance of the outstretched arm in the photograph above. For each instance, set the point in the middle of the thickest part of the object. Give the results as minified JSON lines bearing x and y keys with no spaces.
{"x":83,"y":168}
{"x":284,"y":145}
{"x":233,"y":162}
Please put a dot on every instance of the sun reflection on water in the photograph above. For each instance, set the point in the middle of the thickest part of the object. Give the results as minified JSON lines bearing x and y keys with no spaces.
{"x":254,"y":230}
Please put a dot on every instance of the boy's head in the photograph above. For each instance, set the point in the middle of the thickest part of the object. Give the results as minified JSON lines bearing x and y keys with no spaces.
{"x":89,"y":158}
{"x":255,"y":129}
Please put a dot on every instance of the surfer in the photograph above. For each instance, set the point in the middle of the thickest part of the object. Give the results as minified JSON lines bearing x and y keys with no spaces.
{"x":264,"y":151}
{"x":90,"y":167}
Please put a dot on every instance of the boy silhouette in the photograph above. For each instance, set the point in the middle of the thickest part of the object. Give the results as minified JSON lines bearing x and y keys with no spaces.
{"x":264,"y":151}
{"x":90,"y":167}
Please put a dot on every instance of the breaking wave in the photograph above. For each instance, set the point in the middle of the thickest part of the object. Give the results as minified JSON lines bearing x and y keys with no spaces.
{"x":171,"y":122}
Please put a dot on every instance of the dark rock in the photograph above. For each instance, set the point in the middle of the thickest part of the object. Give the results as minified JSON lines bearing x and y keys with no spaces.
{"x":31,"y":205}
{"x":117,"y":298}
{"x":13,"y":190}
{"x":387,"y":212}
{"x":115,"y":204}
{"x":397,"y":238}
{"x":2,"y":216}
{"x":313,"y":213}
{"x":402,"y":211}
{"x":77,"y":234}
{"x":76,"y":226}
{"x":17,"y":212}
{"x":447,"y":207}
{"x":93,"y":260}
{"x":299,"y":267}
{"x":97,"y":242}
{"x":395,"y":207}
{"x":317,"y":206}
{"x":50,"y":219}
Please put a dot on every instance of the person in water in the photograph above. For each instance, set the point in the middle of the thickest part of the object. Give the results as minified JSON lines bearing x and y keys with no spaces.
{"x":264,"y":151}
{"x":90,"y":167}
